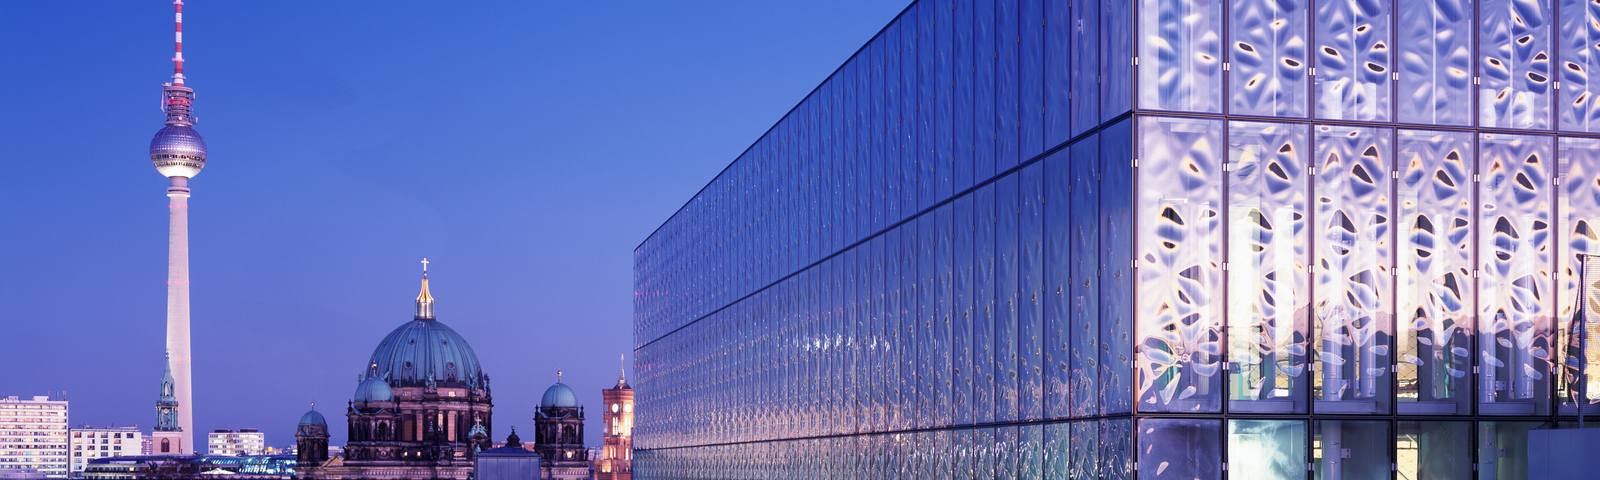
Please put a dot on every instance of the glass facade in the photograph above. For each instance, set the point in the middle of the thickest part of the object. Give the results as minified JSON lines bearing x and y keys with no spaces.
{"x":1118,"y":239}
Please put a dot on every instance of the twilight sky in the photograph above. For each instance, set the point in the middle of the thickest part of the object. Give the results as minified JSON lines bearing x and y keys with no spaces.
{"x":524,"y":147}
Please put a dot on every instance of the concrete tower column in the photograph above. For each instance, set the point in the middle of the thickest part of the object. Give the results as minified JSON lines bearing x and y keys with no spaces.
{"x":178,"y":304}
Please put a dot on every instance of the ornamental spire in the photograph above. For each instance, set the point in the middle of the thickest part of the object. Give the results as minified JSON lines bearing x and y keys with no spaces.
{"x":424,"y":299}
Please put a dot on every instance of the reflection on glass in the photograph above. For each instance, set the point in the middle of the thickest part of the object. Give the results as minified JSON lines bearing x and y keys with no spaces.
{"x":1180,"y":448}
{"x":1082,"y":291}
{"x":1267,"y":257}
{"x":1503,"y":449}
{"x":1085,"y":450}
{"x":1436,"y":69}
{"x":1426,"y":450}
{"x":1514,"y":286}
{"x":1180,"y":55}
{"x":1267,"y":449}
{"x":1116,"y":449}
{"x":1179,"y":256}
{"x":1057,"y":450}
{"x":1579,"y":314}
{"x":1352,"y":320}
{"x":1350,"y":450}
{"x":1268,"y":58}
{"x":1352,"y":60}
{"x":1116,"y":275}
{"x":1435,"y":272}
{"x":1579,"y":106}
{"x":1514,"y":52}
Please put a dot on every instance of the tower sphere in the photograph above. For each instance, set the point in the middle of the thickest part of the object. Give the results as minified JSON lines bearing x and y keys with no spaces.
{"x":178,"y":151}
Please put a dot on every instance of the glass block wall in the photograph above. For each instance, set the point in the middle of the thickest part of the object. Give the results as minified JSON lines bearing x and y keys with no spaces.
{"x":1110,"y":239}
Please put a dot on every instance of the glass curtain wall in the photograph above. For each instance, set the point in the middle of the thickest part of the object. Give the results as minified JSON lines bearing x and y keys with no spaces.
{"x":1118,"y":239}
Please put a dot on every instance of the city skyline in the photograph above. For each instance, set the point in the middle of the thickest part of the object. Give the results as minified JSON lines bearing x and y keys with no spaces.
{"x":303,"y":248}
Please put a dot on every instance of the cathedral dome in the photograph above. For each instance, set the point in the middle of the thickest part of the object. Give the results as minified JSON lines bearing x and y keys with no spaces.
{"x":371,"y":390}
{"x":425,"y":349}
{"x":313,"y":419}
{"x":559,"y":395}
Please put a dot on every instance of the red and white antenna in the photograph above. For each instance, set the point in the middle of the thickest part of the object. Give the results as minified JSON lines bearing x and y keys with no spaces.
{"x":177,"y":60}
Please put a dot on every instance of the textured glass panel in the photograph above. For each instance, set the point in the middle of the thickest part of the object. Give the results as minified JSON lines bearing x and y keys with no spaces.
{"x":1180,"y":55}
{"x":983,"y":306}
{"x":1436,"y":62}
{"x":1352,"y":320}
{"x":1435,"y":272}
{"x":1057,"y":450}
{"x":1503,"y":449}
{"x":1514,"y":286}
{"x":944,"y":291}
{"x":930,"y":165}
{"x":983,"y":452}
{"x":1059,"y":31}
{"x":1116,"y":448}
{"x":904,"y":270}
{"x":1085,"y":65}
{"x":1268,"y":289}
{"x":961,"y":456}
{"x":1030,"y":294}
{"x":1030,"y":452}
{"x":1179,"y":257}
{"x":1173,"y":448}
{"x":1579,"y":106}
{"x":1007,"y":110}
{"x":983,"y":97}
{"x":1351,"y":449}
{"x":1352,"y":60}
{"x":1514,"y":63}
{"x":878,"y":345}
{"x":910,"y":153}
{"x":1006,"y":452}
{"x":894,"y":162}
{"x":1031,"y":76}
{"x":1433,"y":450}
{"x":943,"y":102}
{"x":1268,"y":57}
{"x":926,"y":314}
{"x":962,"y":76}
{"x":1083,"y":288}
{"x":1006,"y":301}
{"x":1580,"y":330}
{"x":1116,"y":58}
{"x":1085,"y":463}
{"x":1057,"y":277}
{"x":961,"y":327}
{"x":1116,"y":274}
{"x":1267,"y":449}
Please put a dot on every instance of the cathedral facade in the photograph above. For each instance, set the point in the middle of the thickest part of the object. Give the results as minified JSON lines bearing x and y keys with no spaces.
{"x":558,"y":435}
{"x":421,"y":409}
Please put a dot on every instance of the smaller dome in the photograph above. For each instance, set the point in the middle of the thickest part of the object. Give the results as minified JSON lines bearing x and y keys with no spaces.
{"x":559,"y":395}
{"x":313,"y":419}
{"x":374,"y":389}
{"x":178,"y":151}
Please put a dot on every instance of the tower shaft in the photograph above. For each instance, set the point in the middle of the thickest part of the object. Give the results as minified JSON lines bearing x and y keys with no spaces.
{"x":178,"y":304}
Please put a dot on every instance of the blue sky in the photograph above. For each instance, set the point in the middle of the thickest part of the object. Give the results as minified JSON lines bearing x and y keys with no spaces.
{"x":524,"y":147}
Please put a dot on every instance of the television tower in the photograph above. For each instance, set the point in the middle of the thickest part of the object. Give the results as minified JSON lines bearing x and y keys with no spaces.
{"x":179,"y":153}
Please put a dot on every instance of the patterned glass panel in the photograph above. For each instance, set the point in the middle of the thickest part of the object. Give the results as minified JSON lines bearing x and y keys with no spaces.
{"x":1116,"y":448}
{"x":1057,"y":450}
{"x":1515,"y":287}
{"x":1268,"y":287}
{"x":1579,"y":106}
{"x":1058,"y":347}
{"x":1436,"y":62}
{"x":1180,"y":55}
{"x":1085,"y":464}
{"x":1433,"y":449}
{"x":1435,"y":272}
{"x":1353,"y":60}
{"x":1180,"y":448}
{"x":1179,"y":259}
{"x":1580,"y":329}
{"x":1268,"y":58}
{"x":1352,"y":449}
{"x":1352,"y":320}
{"x":1083,"y":289}
{"x":1267,"y":449}
{"x":1116,"y":275}
{"x":1514,"y":63}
